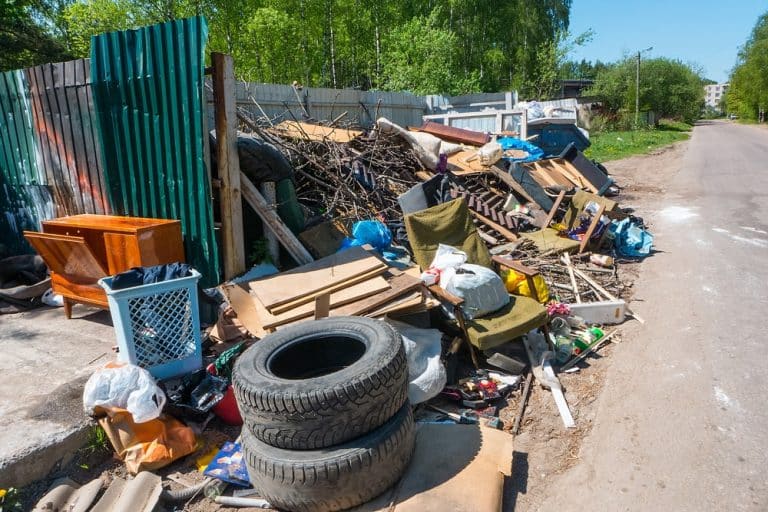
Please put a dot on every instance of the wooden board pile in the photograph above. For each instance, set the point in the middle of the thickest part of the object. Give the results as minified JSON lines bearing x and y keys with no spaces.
{"x":354,"y":282}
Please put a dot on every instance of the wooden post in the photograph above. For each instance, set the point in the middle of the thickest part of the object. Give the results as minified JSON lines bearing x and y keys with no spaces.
{"x":272,"y":222}
{"x":270,"y":194}
{"x":229,"y":164}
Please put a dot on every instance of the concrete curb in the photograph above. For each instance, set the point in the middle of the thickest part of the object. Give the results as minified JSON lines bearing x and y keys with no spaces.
{"x":41,"y":460}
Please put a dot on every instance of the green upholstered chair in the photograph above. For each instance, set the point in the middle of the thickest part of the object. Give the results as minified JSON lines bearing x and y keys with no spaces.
{"x":547,"y":239}
{"x":451,"y":224}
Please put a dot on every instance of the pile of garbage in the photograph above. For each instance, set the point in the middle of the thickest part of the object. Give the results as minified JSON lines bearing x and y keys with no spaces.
{"x":450,"y":270}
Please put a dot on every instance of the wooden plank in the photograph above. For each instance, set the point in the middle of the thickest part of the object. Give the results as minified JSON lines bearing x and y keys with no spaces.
{"x":553,"y":210}
{"x":229,"y":165}
{"x":569,"y":266}
{"x":67,"y":255}
{"x":322,"y":305}
{"x":314,"y":132}
{"x":591,"y":229}
{"x":605,"y":292}
{"x":315,"y":277}
{"x":272,"y":222}
{"x":511,"y":183}
{"x":337,"y":299}
{"x":270,"y":195}
{"x":399,"y":284}
{"x":405,"y":302}
{"x":466,"y":162}
{"x":299,"y":301}
{"x":509,"y":235}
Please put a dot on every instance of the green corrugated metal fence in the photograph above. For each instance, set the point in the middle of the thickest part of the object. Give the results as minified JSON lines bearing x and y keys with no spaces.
{"x":23,"y":197}
{"x":148,"y":95}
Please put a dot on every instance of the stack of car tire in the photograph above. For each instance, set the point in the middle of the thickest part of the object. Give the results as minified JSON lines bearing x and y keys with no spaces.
{"x":327,"y":423}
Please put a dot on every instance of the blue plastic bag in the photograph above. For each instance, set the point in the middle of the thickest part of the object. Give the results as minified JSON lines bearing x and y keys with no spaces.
{"x":631,"y":240}
{"x":534,"y":151}
{"x":371,"y":232}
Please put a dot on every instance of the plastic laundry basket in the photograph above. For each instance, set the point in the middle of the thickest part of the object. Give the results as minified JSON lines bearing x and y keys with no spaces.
{"x":158,"y":325}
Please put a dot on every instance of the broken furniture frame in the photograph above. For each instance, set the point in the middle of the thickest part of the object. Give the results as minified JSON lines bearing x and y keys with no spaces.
{"x":456,"y":302}
{"x":590,"y":229}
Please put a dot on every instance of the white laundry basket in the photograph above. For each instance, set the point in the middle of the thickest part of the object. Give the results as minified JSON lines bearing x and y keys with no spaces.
{"x":158,"y":325}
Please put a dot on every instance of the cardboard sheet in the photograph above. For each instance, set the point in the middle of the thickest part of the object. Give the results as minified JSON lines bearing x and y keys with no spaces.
{"x":455,"y":468}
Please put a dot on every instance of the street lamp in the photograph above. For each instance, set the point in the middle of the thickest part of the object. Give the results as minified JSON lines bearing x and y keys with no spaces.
{"x":637,"y":86}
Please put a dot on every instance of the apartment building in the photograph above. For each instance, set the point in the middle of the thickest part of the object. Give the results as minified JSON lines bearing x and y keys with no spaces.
{"x":713,"y":94}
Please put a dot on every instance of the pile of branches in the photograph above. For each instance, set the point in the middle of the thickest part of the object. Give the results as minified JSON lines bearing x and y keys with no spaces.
{"x":358,"y":180}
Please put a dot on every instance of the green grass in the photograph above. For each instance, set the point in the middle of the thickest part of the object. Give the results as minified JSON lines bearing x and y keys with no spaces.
{"x":612,"y":145}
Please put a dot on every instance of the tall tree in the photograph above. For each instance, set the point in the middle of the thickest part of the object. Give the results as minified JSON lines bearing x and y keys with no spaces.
{"x":748,"y":92}
{"x":26,"y":38}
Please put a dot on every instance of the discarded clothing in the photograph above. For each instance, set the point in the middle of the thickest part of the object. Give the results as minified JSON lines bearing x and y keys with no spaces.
{"x":138,"y":276}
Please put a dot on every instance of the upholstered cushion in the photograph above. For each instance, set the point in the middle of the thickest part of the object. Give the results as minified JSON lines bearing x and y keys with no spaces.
{"x":517,"y":318}
{"x":547,"y":239}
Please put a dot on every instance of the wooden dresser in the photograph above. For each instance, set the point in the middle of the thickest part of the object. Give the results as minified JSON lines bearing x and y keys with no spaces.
{"x":82,"y":249}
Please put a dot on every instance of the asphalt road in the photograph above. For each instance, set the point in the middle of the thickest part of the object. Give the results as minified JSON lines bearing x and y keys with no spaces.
{"x":682,"y":423}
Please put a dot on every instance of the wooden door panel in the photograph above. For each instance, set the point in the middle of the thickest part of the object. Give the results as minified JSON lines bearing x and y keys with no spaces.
{"x":67,"y":255}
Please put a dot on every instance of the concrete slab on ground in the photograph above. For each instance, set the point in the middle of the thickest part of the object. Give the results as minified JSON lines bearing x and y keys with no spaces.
{"x":45,"y":362}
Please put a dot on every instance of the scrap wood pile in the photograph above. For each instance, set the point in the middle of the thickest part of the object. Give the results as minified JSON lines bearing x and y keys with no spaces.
{"x":344,"y":175}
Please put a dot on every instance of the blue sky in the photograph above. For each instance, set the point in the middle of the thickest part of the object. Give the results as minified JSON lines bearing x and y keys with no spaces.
{"x":704,"y":32}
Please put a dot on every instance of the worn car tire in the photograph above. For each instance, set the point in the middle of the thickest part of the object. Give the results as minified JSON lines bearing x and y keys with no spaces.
{"x":321,"y":383}
{"x":333,"y":478}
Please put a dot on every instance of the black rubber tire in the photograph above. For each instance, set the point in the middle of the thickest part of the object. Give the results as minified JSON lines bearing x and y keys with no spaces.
{"x":288,"y":411}
{"x":335,"y":478}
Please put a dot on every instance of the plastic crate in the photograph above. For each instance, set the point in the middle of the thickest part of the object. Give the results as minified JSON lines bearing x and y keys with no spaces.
{"x":158,"y":325}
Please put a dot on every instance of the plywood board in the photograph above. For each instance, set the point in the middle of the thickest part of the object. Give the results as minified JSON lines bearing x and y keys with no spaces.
{"x":466,"y":162}
{"x":306,"y":131}
{"x":404,"y":302}
{"x":339,"y":298}
{"x":304,"y":283}
{"x":289,"y":306}
{"x":67,"y":255}
{"x":399,"y":285}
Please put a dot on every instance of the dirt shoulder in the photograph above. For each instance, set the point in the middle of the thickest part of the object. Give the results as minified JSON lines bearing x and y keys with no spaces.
{"x":544,"y":448}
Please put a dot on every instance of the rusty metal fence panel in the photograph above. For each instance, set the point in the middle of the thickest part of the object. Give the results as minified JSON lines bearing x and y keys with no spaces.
{"x":49,"y":159}
{"x":62,"y":104}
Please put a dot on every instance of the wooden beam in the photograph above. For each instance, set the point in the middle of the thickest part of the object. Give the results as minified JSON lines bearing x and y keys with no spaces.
{"x":569,"y":266}
{"x":230,"y":197}
{"x":509,"y":235}
{"x":591,"y":229}
{"x":512,"y":183}
{"x":272,"y":222}
{"x":553,"y":210}
{"x":273,"y":245}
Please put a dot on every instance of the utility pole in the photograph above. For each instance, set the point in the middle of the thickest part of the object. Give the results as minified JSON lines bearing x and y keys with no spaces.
{"x":637,"y":86}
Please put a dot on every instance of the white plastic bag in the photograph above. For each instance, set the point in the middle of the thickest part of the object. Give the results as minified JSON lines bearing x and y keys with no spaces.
{"x":481,"y":288}
{"x":426,"y":374}
{"x":124,"y":386}
{"x":445,"y":257}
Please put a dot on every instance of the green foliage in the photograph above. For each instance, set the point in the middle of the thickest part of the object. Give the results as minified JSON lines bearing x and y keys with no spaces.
{"x":420,"y":59}
{"x":10,"y":500}
{"x":668,"y":87}
{"x":748,"y":92}
{"x":24,"y":38}
{"x":260,"y":252}
{"x":349,"y":43}
{"x":550,"y":58}
{"x":612,"y":145}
